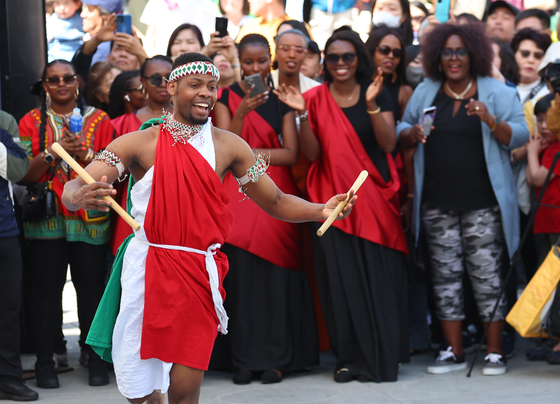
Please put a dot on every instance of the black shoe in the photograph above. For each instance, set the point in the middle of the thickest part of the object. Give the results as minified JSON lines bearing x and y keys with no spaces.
{"x":98,"y":373}
{"x":271,"y":376}
{"x":343,"y":375}
{"x":12,"y":388}
{"x":45,"y":374}
{"x":243,"y":377}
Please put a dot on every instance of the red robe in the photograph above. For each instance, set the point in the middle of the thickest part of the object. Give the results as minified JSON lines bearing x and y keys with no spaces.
{"x":254,"y":230}
{"x":187,"y":207}
{"x":123,"y":124}
{"x":376,"y":217}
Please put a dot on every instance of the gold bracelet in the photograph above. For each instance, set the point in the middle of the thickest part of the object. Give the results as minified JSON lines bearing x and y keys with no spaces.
{"x":378,"y":110}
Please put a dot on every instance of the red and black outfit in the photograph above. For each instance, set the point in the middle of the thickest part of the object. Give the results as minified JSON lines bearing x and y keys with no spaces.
{"x":360,"y":265}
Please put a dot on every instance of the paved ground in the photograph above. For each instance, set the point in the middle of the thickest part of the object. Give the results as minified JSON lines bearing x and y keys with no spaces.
{"x":525,"y":382}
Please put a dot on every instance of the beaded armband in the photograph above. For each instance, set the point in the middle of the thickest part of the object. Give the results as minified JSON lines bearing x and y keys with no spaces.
{"x":254,"y":172}
{"x":112,"y":160}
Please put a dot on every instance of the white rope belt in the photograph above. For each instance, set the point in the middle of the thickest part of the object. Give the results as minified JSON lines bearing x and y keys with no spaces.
{"x":212,"y":270}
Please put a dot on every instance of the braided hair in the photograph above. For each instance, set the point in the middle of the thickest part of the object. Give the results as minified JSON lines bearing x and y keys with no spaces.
{"x":119,"y":87}
{"x":152,"y":59}
{"x":39,"y":90}
{"x":256,"y":40}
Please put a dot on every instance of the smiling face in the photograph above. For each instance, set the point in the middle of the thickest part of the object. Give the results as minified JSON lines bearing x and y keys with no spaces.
{"x":157,"y":69}
{"x":255,"y":59}
{"x":456,"y":69}
{"x":63,"y":91}
{"x":193,"y":97}
{"x":91,"y":18}
{"x":387,"y":63}
{"x":185,"y":42}
{"x":501,"y":24}
{"x":528,"y":58}
{"x":343,"y":70}
{"x":290,"y":53}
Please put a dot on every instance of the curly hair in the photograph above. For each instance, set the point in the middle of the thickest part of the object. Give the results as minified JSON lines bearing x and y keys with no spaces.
{"x":475,"y":40}
{"x":542,"y":41}
{"x":365,"y":69}
{"x":120,"y":86}
{"x":373,"y":42}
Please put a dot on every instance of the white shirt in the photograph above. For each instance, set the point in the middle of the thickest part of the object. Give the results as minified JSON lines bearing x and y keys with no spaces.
{"x":525,"y":89}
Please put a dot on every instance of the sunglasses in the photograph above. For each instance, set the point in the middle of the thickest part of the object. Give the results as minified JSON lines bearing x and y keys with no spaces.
{"x":67,"y":80}
{"x":286,"y":48}
{"x":333,"y":58}
{"x":386,"y":50}
{"x":460,"y":53}
{"x":526,"y":53}
{"x":139,"y":88}
{"x":156,"y":79}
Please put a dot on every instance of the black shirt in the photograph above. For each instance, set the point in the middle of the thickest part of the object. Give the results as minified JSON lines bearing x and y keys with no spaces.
{"x":456,"y":176}
{"x":361,"y":122}
{"x":394,"y":89}
{"x":272,"y":110}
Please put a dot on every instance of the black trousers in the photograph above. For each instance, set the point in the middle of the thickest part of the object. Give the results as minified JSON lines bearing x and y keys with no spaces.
{"x":10,"y":306}
{"x":46,"y":264}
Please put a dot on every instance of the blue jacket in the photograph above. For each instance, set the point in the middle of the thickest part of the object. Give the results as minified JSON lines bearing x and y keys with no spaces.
{"x":501,"y":101}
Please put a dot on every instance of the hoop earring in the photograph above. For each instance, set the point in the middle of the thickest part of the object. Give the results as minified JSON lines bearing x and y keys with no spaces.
{"x":77,"y":95}
{"x":269,"y":80}
{"x":48,"y":100}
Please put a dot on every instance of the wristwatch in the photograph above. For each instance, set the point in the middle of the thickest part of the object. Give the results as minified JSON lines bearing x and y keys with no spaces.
{"x":498,"y":122}
{"x":47,"y":157}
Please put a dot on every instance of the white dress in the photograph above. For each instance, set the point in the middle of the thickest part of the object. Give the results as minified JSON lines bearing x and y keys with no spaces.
{"x":137,"y":377}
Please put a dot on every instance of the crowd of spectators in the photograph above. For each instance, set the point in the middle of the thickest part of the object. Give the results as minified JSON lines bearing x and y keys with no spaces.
{"x":419,"y":264}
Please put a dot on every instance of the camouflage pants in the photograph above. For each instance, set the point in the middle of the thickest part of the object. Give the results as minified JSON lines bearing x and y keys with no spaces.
{"x":457,"y":240}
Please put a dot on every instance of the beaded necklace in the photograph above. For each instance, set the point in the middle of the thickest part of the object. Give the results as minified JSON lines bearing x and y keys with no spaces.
{"x":180,"y":132}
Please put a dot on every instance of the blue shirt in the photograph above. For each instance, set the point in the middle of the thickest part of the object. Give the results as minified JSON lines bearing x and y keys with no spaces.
{"x":65,"y":36}
{"x":336,"y":6}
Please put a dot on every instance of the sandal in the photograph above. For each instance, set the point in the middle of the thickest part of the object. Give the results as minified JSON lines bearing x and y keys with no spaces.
{"x":554,"y":358}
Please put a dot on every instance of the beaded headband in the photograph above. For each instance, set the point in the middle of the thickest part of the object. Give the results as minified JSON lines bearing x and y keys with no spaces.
{"x":194,"y":68}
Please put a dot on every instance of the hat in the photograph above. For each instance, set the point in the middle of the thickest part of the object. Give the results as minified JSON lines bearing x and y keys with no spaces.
{"x":500,"y":4}
{"x":313,"y":47}
{"x":113,"y":6}
{"x":551,"y":54}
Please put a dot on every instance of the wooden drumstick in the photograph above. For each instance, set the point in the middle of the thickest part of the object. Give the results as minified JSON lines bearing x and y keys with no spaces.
{"x":332,"y":217}
{"x":89,"y":180}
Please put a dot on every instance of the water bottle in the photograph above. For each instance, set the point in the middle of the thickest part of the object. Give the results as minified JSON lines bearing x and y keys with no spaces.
{"x":76,"y":121}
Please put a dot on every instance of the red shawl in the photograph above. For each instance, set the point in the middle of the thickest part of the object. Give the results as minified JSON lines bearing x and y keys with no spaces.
{"x":376,"y":217}
{"x":254,"y":230}
{"x":187,"y":208}
{"x":123,"y":124}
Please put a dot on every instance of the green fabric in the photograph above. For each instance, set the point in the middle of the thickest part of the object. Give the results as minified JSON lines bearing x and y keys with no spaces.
{"x":100,"y":336}
{"x":152,"y":122}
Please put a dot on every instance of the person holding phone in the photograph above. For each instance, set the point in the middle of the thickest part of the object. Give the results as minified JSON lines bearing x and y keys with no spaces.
{"x":75,"y":238}
{"x":465,"y":195}
{"x":272,"y":317}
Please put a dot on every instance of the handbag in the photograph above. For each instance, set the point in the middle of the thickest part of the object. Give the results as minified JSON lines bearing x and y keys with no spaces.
{"x":40,"y":201}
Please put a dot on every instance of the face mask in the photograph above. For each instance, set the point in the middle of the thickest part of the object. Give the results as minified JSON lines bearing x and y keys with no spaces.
{"x":386,"y":18}
{"x":414,"y":75}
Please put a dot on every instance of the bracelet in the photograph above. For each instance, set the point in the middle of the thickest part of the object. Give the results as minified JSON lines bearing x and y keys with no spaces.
{"x":378,"y":110}
{"x":236,"y":65}
{"x":303,"y":117}
{"x":89,"y":156}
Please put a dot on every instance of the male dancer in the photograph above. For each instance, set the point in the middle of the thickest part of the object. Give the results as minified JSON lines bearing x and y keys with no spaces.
{"x":164,"y":335}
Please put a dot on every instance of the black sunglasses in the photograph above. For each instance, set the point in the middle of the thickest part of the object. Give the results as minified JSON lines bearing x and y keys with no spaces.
{"x":333,"y":58}
{"x":156,"y":79}
{"x":460,"y":53}
{"x":526,"y":53}
{"x":68,"y":80}
{"x":386,"y":50}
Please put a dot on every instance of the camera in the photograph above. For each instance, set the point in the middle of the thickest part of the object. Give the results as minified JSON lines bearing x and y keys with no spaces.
{"x":552,"y":74}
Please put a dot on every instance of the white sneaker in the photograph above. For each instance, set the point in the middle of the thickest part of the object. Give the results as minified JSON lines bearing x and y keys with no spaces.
{"x":495,"y":365}
{"x":447,"y":362}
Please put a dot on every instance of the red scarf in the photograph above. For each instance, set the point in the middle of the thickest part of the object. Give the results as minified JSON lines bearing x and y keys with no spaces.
{"x":254,"y":230}
{"x":376,"y":217}
{"x":187,"y":208}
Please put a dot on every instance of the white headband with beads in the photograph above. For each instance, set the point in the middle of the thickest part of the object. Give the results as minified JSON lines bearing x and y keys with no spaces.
{"x":194,"y":68}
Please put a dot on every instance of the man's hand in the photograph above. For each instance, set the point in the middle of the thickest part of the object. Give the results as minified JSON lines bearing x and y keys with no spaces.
{"x":89,"y":197}
{"x":331,"y":205}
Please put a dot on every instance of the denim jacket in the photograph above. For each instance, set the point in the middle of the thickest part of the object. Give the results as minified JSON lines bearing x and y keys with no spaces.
{"x":501,"y":101}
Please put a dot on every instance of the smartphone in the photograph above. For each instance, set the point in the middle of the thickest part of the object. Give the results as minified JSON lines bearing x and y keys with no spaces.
{"x":442,"y":10}
{"x":427,"y":120}
{"x":221,"y":26}
{"x":256,"y":80}
{"x":124,"y":23}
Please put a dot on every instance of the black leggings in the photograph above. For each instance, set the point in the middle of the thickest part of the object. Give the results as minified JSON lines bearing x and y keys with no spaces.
{"x":45,"y":270}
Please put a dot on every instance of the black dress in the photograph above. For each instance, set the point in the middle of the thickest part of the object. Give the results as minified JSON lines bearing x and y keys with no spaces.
{"x":363,"y":285}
